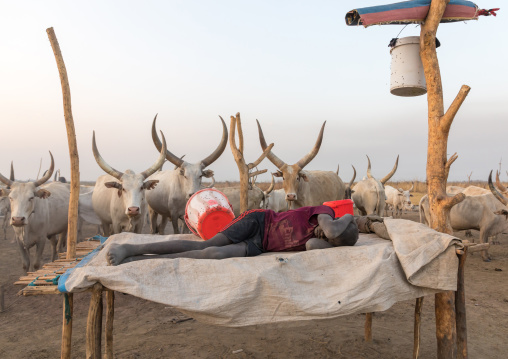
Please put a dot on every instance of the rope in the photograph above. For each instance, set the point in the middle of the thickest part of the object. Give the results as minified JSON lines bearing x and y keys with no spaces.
{"x":67,"y":306}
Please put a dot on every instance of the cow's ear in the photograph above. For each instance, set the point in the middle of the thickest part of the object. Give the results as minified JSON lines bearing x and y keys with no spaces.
{"x":304,"y":176}
{"x":148,"y":185}
{"x":4,"y":192}
{"x":411,"y":195}
{"x":400,"y":194}
{"x":277,"y":174}
{"x":352,"y":191}
{"x":113,"y":185}
{"x":42,"y":193}
{"x":208,"y":173}
{"x":502,"y":212}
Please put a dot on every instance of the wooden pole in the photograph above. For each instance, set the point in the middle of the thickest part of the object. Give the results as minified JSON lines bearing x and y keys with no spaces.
{"x":94,"y":324}
{"x":72,"y":231}
{"x":68,"y":305}
{"x":243,"y":168}
{"x":110,"y":314}
{"x":2,"y":302}
{"x":460,"y":308}
{"x":368,"y":327}
{"x":438,"y":166}
{"x":418,"y":322}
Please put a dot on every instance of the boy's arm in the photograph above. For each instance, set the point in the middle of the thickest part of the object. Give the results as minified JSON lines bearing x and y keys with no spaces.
{"x":334,"y":227}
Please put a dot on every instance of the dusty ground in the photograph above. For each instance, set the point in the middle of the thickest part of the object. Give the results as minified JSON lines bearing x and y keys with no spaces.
{"x":31,"y":326}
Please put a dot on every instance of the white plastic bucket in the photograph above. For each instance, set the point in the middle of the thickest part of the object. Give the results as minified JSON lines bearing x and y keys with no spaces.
{"x":407,"y":76}
{"x":207,"y":212}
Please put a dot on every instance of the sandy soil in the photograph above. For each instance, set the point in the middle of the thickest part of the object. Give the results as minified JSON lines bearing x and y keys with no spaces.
{"x":30,"y":327}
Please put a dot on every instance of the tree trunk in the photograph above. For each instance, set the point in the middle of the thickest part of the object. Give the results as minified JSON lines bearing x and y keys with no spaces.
{"x":438,"y":166}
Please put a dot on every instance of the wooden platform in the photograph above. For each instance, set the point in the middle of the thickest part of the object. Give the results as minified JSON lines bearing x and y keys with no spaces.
{"x":45,"y":280}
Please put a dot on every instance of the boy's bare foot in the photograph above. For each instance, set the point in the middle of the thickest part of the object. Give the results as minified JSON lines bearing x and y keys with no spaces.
{"x":117,"y":253}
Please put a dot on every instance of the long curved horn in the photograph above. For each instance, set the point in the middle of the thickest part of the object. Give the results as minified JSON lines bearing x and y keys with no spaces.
{"x":499,"y":184}
{"x":337,"y":173}
{"x":310,"y":156}
{"x":272,"y":186}
{"x":6,"y":181}
{"x":157,"y":142}
{"x":271,"y":156}
{"x":102,"y":164}
{"x":218,"y":151}
{"x":392,"y":172}
{"x":160,"y":160}
{"x":48,"y":174}
{"x":352,"y":179}
{"x":369,"y":174}
{"x":496,"y":193}
{"x":412,"y":186}
{"x":11,"y":177}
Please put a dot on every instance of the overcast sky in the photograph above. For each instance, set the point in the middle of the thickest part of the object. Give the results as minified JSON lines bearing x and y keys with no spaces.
{"x":290,"y":64}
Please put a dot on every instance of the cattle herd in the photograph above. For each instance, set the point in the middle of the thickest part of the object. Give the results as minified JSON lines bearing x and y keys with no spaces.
{"x":124,"y":201}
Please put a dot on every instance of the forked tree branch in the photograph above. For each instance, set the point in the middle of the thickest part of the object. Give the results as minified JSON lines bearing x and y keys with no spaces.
{"x":447,"y":119}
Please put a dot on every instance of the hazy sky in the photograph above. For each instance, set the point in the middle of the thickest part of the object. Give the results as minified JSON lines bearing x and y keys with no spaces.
{"x":290,"y":64}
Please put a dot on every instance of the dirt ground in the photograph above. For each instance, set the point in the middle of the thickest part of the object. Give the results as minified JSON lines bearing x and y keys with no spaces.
{"x":30,"y":327}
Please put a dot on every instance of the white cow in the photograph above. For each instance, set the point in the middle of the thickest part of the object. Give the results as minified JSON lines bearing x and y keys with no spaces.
{"x":306,"y":188}
{"x":118,"y":198}
{"x":255,"y":196}
{"x":398,"y":199}
{"x":37,"y":214}
{"x":369,"y":194}
{"x":475,"y":212}
{"x":176,"y":186}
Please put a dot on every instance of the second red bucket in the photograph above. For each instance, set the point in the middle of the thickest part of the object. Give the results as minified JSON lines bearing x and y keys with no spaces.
{"x":341,"y":207}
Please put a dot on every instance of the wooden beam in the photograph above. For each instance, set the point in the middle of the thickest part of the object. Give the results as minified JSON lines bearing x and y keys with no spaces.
{"x":110,"y":315}
{"x":417,"y":327}
{"x":368,"y":327}
{"x":94,"y":324}
{"x":68,"y":308}
{"x":460,"y":309}
{"x":72,"y":230}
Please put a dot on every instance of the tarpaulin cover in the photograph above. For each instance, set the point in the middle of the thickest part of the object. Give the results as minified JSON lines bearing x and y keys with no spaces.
{"x":410,"y":12}
{"x":287,"y":286}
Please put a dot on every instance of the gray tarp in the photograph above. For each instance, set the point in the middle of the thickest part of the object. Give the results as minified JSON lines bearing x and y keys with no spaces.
{"x":286,"y":286}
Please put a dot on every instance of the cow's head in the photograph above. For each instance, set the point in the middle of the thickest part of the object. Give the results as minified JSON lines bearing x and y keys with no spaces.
{"x":388,"y":176}
{"x":22,"y":196}
{"x":192,"y":174}
{"x":131,"y":186}
{"x":291,"y":175}
{"x":405,"y":196}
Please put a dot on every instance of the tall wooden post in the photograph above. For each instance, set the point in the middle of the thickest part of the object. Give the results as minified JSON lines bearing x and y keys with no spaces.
{"x":243,"y":168}
{"x":72,"y":230}
{"x":438,"y":166}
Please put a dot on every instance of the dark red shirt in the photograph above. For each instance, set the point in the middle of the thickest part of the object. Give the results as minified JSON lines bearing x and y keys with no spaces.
{"x":289,"y":231}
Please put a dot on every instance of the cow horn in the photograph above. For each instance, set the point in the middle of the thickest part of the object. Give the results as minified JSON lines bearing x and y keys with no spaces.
{"x":213,"y":183}
{"x":7,"y":181}
{"x":337,"y":173}
{"x":160,"y":160}
{"x":271,"y":156}
{"x":496,"y":193}
{"x":102,"y":164}
{"x":307,"y":158}
{"x":272,"y":186}
{"x":49,"y":173}
{"x":218,"y":151}
{"x":352,"y":179}
{"x":369,"y":174}
{"x":392,"y":172}
{"x":157,"y":142}
{"x":11,"y":177}
{"x":499,"y":184}
{"x":412,"y":186}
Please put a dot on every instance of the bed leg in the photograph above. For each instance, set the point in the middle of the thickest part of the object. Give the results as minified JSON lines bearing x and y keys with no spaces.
{"x":368,"y":327}
{"x":94,"y":324}
{"x":460,"y":309}
{"x":68,"y":305}
{"x":110,"y":314}
{"x":446,"y":326}
{"x":418,"y":322}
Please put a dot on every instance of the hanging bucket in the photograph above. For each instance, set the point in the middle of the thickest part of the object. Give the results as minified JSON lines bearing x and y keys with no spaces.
{"x":341,"y":207}
{"x":407,"y":78}
{"x":207,"y":212}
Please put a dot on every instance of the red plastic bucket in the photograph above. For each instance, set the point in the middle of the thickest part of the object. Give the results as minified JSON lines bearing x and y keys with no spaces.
{"x":341,"y":207}
{"x":207,"y":212}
